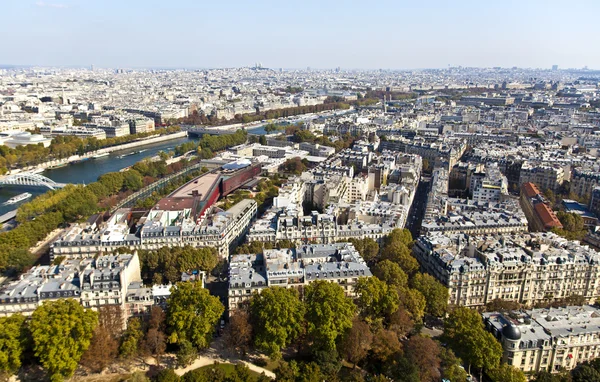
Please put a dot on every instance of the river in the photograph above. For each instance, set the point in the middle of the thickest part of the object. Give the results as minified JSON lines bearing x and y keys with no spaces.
{"x":89,"y":170}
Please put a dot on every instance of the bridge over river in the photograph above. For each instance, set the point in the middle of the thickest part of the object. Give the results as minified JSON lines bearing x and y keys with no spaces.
{"x":28,"y":179}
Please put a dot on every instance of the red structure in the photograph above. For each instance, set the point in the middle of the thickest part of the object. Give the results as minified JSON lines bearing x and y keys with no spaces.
{"x":234,"y":180}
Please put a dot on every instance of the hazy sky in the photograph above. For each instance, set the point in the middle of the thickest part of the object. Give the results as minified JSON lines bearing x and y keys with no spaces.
{"x":393,"y":34}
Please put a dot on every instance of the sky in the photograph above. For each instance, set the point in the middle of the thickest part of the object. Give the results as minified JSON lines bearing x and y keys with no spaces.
{"x":394,"y":34}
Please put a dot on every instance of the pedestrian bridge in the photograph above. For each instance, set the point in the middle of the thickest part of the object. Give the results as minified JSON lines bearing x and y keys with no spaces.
{"x":27,"y":179}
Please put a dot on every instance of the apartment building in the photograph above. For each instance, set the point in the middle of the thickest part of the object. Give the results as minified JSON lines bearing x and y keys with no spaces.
{"x":161,"y":227}
{"x":527,"y":268}
{"x":104,"y":280}
{"x":583,"y":181}
{"x":294,"y":268}
{"x":545,"y":176}
{"x":551,"y":340}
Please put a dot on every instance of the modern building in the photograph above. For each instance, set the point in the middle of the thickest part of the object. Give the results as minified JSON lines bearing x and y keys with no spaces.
{"x":489,"y":185}
{"x":187,"y":216}
{"x":572,"y":206}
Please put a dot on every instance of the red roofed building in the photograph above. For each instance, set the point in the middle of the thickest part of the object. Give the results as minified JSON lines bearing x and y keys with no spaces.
{"x":539,"y":214}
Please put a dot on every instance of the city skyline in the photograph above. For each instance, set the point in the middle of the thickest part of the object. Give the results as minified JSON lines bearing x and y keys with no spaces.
{"x":390,"y":35}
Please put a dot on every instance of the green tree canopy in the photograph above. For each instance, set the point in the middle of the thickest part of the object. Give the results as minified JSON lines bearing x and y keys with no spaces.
{"x":113,"y":181}
{"x":465,"y":333}
{"x":13,"y":340}
{"x":61,"y":331}
{"x":506,"y":373}
{"x":192,"y":314}
{"x":390,"y":273}
{"x":329,"y":313}
{"x":132,"y":180}
{"x":436,"y":295}
{"x":277,"y":317}
{"x":376,"y":300}
{"x":367,"y":247}
{"x":413,"y":302}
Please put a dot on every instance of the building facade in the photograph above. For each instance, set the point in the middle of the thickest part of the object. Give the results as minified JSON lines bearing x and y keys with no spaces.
{"x":525,"y":268}
{"x":549,"y":340}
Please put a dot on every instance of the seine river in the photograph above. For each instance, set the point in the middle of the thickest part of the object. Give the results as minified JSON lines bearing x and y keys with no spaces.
{"x":88,"y":171}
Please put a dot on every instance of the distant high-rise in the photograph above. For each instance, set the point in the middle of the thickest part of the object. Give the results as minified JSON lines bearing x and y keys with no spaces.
{"x":92,"y":67}
{"x":554,"y":68}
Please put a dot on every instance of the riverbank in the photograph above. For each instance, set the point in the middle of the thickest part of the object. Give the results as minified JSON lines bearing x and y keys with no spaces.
{"x":106,"y":150}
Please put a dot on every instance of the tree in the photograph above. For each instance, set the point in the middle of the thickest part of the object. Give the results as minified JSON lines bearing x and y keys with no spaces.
{"x":376,"y":300}
{"x":329,"y":313}
{"x":508,"y":373}
{"x":500,"y":305}
{"x":113,"y":181}
{"x":132,"y":339}
{"x":357,"y":342}
{"x":102,"y":351}
{"x":451,"y":366}
{"x":186,"y":354}
{"x":465,"y":333}
{"x":13,"y":341}
{"x":400,"y":254}
{"x":399,"y":236}
{"x":436,"y":295}
{"x":277,"y":317}
{"x":385,"y":345}
{"x":132,"y":180}
{"x":367,"y":247}
{"x":585,"y":373}
{"x":414,"y":302}
{"x":571,"y":222}
{"x":79,"y":203}
{"x":192,"y":314}
{"x":238,"y":333}
{"x":544,"y":376}
{"x":405,"y":369}
{"x":390,"y":273}
{"x":400,"y":323}
{"x":241,"y":373}
{"x":61,"y":331}
{"x":167,"y":375}
{"x":424,"y":353}
{"x":155,"y":343}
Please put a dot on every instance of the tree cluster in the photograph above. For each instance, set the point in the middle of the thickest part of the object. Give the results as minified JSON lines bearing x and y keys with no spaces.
{"x":295,"y":166}
{"x":573,"y":228}
{"x":55,"y":337}
{"x":165,"y":265}
{"x":45,"y":213}
{"x":375,"y":330}
{"x":208,"y":145}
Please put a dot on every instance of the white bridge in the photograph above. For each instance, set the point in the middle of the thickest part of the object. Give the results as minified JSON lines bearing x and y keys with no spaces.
{"x":30,"y":180}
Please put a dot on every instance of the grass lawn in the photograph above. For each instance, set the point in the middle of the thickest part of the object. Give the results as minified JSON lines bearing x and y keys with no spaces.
{"x":228,"y":368}
{"x":272,"y":365}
